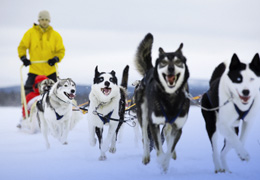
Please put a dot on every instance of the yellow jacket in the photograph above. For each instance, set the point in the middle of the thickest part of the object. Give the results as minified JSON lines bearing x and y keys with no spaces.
{"x":42,"y":47}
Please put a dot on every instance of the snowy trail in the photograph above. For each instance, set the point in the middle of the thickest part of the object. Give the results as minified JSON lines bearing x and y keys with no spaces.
{"x":24,"y":156}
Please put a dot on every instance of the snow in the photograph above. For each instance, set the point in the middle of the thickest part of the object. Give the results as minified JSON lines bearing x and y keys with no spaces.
{"x":24,"y":156}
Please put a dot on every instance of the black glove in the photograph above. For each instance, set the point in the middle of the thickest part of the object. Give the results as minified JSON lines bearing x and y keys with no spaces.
{"x":26,"y":62}
{"x":52,"y":61}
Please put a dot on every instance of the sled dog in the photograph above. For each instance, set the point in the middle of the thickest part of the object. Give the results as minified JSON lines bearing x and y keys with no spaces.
{"x":160,"y":99}
{"x":32,"y":124}
{"x":234,"y":92}
{"x":107,"y":101}
{"x":54,"y":111}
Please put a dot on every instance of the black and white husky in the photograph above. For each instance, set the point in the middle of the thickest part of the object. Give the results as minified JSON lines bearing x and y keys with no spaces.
{"x":107,"y":107}
{"x":55,"y":110}
{"x":160,"y":99}
{"x":234,"y":93}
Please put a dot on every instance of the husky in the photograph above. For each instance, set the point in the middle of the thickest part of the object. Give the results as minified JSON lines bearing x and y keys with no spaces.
{"x":107,"y":102}
{"x":160,"y":99}
{"x":32,"y":124}
{"x":232,"y":100}
{"x":54,"y":111}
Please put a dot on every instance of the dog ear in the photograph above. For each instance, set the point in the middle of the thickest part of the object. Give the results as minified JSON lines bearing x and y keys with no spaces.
{"x":180,"y":47}
{"x":96,"y":71}
{"x":113,"y":73}
{"x":161,"y":51}
{"x":235,"y":62}
{"x":255,"y":64}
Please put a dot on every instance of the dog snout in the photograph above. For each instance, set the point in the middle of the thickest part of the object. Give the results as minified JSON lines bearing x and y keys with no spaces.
{"x":245,"y":92}
{"x":72,"y":91}
{"x":171,"y":69}
{"x":107,"y":84}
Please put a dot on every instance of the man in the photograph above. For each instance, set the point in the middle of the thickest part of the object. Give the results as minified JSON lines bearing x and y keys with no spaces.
{"x":44,"y":44}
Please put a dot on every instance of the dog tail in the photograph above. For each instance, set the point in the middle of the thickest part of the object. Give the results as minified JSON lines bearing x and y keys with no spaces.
{"x":143,"y":57}
{"x":124,"y":82}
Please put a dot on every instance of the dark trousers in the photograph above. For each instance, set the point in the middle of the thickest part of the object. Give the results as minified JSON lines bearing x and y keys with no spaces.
{"x":30,"y":81}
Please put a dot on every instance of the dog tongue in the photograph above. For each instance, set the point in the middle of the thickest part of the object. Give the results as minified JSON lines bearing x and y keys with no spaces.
{"x":245,"y":98}
{"x":72,"y":95}
{"x":106,"y":90}
{"x":170,"y":79}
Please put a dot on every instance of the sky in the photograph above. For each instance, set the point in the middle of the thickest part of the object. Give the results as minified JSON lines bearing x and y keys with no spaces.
{"x":24,"y":156}
{"x":107,"y":33}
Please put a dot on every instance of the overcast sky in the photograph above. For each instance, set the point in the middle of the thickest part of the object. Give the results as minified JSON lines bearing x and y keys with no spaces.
{"x":106,"y":33}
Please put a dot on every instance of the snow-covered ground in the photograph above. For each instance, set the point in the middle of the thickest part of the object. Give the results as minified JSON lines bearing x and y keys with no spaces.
{"x":24,"y":156}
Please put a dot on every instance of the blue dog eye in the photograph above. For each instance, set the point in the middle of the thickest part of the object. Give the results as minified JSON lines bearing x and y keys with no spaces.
{"x":100,"y":79}
{"x":111,"y":79}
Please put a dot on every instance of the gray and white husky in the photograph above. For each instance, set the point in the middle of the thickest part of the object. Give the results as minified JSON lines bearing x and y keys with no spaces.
{"x":160,"y":99}
{"x":234,"y":92}
{"x":54,"y":111}
{"x":107,"y":101}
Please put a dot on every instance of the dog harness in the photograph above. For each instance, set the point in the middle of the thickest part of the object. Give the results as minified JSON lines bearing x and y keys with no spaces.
{"x":105,"y":119}
{"x":167,"y":120}
{"x":40,"y":107}
{"x":242,"y":114}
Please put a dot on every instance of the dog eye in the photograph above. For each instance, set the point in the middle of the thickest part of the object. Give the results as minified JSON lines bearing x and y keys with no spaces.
{"x":163,"y":63}
{"x":100,"y":79}
{"x":239,"y":79}
{"x":252,"y":79}
{"x":65,"y":85}
{"x":178,"y":62}
{"x":111,"y":79}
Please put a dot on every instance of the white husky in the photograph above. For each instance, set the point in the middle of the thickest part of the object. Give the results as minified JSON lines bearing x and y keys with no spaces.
{"x":55,"y":110}
{"x":107,"y":101}
{"x":237,"y":88}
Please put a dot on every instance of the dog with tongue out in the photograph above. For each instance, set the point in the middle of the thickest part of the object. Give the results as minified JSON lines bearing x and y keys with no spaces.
{"x":107,"y":98}
{"x":160,"y":99}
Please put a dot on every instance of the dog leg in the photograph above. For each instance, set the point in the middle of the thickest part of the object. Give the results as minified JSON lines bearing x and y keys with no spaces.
{"x":113,"y":145}
{"x":144,"y":126}
{"x":227,"y":147}
{"x":215,"y":153}
{"x":92,"y":139}
{"x":99,"y":132}
{"x":65,"y":133}
{"x":232,"y":138}
{"x":44,"y":130}
{"x":210,"y":118}
{"x":109,"y":137}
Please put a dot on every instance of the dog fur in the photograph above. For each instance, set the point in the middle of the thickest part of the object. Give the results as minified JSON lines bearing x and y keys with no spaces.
{"x":160,"y":99}
{"x":108,"y":99}
{"x":239,"y":82}
{"x":55,"y":110}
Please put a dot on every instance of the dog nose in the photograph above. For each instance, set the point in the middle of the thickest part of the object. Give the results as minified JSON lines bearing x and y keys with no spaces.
{"x":72,"y":91}
{"x":107,"y":83}
{"x":245,"y":92}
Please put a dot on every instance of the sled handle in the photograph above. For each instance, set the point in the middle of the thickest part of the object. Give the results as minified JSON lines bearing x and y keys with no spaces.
{"x":23,"y":99}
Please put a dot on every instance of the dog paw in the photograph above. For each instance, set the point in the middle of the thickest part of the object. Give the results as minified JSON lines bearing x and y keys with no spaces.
{"x":244,"y":156}
{"x":102,"y":158}
{"x":146,"y":160}
{"x":220,"y":171}
{"x":112,"y":150}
